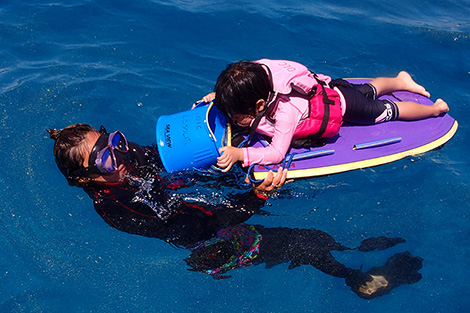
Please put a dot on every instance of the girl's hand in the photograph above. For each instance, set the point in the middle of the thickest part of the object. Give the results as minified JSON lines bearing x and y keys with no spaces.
{"x":230,"y":156}
{"x":207,"y":98}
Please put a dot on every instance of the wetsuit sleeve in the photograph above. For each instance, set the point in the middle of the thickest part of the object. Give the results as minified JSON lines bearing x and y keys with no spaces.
{"x":188,"y":223}
{"x":234,"y":210}
{"x":124,"y":215}
{"x":199,"y":221}
{"x":183,"y":228}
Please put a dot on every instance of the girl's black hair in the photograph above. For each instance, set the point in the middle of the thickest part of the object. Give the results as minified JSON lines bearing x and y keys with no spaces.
{"x":240,"y":86}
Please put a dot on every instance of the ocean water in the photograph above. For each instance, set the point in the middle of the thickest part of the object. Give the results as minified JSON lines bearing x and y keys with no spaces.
{"x":124,"y":63}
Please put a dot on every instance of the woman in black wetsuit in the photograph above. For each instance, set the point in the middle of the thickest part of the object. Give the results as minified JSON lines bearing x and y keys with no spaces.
{"x":133,"y":193}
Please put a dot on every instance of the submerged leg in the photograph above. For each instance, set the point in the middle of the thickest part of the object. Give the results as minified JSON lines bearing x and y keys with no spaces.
{"x":400,"y":269}
{"x":371,"y":287}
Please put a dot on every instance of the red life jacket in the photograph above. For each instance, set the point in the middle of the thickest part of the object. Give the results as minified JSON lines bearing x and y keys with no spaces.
{"x":325,"y":116}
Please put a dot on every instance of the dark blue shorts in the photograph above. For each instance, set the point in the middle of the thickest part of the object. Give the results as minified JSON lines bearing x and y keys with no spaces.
{"x":363,"y":107}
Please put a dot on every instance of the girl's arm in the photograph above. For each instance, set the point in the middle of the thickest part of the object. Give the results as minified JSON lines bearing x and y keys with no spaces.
{"x":229,"y":156}
{"x":287,"y":118}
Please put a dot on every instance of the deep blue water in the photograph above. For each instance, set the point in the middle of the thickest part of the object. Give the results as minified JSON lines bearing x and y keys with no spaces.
{"x":124,"y":63}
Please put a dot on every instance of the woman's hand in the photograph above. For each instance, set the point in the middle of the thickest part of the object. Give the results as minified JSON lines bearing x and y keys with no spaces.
{"x":229,"y":156}
{"x":271,"y":182}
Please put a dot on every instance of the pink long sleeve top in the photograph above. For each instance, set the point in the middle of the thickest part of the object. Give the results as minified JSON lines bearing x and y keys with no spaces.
{"x":292,"y":109}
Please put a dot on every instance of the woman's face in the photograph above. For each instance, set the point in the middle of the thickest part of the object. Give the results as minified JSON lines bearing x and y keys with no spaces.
{"x":90,"y":141}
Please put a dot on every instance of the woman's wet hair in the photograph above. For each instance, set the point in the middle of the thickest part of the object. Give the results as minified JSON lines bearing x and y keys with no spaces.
{"x":70,"y":147}
{"x":240,"y":86}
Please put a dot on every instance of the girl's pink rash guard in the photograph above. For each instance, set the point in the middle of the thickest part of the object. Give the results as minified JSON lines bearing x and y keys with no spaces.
{"x":292,"y":109}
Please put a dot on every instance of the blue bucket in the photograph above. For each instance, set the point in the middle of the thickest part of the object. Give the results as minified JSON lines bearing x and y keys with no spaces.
{"x":191,"y":139}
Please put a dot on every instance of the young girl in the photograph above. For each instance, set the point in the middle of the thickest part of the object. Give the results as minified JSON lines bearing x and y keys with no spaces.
{"x":284,"y":101}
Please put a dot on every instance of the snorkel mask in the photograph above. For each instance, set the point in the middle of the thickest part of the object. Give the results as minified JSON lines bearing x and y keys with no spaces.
{"x":107,"y":154}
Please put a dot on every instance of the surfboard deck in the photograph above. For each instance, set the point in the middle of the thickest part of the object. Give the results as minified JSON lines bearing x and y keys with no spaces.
{"x":358,"y":146}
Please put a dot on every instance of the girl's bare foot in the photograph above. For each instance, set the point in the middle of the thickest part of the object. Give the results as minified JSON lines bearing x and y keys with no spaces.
{"x":410,"y":85}
{"x":441,"y":106}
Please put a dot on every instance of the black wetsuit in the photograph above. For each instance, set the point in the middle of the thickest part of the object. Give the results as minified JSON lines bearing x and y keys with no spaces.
{"x":148,"y":205}
{"x":158,"y":211}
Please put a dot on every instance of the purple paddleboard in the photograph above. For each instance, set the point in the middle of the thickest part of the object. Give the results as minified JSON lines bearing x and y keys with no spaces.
{"x":358,"y":147}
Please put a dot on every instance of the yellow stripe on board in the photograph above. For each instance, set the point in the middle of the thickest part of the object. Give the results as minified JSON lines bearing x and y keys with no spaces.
{"x":333,"y":169}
